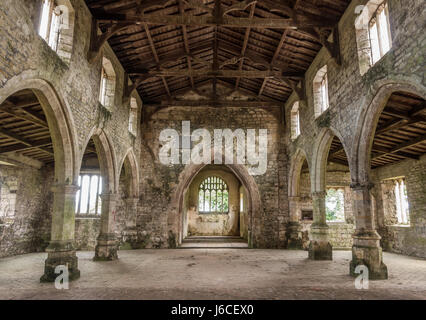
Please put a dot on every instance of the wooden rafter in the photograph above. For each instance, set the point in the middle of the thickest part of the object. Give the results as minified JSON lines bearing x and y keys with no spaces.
{"x":213,"y":21}
{"x":213,"y":103}
{"x":157,"y":60}
{"x":398,"y":148}
{"x":246,"y":38}
{"x":24,"y":141}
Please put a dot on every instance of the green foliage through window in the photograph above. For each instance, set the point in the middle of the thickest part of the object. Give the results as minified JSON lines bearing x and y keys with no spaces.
{"x":213,"y":196}
{"x":335,"y":205}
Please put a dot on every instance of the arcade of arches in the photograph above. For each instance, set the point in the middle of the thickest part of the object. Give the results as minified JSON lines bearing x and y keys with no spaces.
{"x":86,"y":90}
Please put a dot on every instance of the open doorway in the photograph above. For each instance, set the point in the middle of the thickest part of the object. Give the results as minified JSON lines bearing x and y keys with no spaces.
{"x":215,"y":210}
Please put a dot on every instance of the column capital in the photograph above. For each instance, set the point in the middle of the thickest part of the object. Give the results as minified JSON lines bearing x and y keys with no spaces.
{"x":65,"y":188}
{"x":319,"y":194}
{"x":109,"y":196}
{"x":295,"y":198}
{"x":362,"y":186}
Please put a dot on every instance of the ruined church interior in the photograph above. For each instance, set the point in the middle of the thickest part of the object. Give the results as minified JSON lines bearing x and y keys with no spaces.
{"x":212,"y":149}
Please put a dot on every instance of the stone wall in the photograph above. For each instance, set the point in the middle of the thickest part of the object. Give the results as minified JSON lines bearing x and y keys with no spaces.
{"x":350,"y":93}
{"x":406,"y":239}
{"x":27,"y":226}
{"x":160,"y":182}
{"x":355,"y":93}
{"x":26,"y":58}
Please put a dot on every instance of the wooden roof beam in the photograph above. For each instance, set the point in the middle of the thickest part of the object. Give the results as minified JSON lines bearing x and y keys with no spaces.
{"x":213,"y":103}
{"x":186,"y":43}
{"x":157,"y":60}
{"x":28,"y":115}
{"x":246,"y":37}
{"x":207,"y":20}
{"x":399,"y":147}
{"x":23,"y":140}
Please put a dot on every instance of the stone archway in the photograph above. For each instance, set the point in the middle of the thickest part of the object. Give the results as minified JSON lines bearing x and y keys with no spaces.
{"x":320,"y":247}
{"x":59,"y":120}
{"x":367,"y":123}
{"x":60,"y":250}
{"x":131,"y":167}
{"x":175,"y":216}
{"x":128,"y":200}
{"x":293,"y":233}
{"x":106,"y":248}
{"x":366,"y":249}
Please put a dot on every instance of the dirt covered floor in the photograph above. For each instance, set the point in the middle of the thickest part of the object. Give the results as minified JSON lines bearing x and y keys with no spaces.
{"x":213,"y":274}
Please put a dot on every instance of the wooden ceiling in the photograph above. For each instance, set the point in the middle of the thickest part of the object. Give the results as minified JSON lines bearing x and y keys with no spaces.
{"x":259,"y":48}
{"x":400,"y":132}
{"x":24,"y":128}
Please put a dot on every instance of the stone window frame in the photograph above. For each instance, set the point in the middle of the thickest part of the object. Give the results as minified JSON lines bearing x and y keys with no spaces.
{"x":133,"y":116}
{"x":213,"y":185}
{"x":367,"y":16}
{"x":98,"y":202}
{"x":107,"y":84}
{"x":402,"y":208}
{"x":59,"y":20}
{"x":321,"y":93}
{"x":343,"y":189}
{"x":6,"y":217}
{"x":295,"y":121}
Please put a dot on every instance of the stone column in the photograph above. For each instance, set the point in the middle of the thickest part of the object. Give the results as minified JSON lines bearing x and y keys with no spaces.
{"x":319,"y":246}
{"x":366,"y":248}
{"x":131,"y":233}
{"x":294,"y":229}
{"x":61,"y":249}
{"x":107,"y":245}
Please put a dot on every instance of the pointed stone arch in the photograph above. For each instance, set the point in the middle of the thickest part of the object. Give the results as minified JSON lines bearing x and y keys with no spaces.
{"x":131,"y":167}
{"x":175,"y":216}
{"x":59,"y":120}
{"x":368,"y":118}
{"x":320,"y":155}
{"x":294,"y":173}
{"x":107,"y":158}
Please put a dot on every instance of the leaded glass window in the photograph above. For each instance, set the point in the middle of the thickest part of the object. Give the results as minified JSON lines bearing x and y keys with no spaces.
{"x":213,"y":196}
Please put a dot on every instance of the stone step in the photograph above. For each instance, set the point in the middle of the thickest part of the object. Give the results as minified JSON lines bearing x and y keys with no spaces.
{"x":213,"y":242}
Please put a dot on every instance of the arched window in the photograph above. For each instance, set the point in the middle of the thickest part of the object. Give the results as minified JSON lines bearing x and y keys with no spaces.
{"x":295,"y":121}
{"x":57,"y":26}
{"x":107,"y":88}
{"x":335,"y":204}
{"x":88,"y":199}
{"x":133,"y":116}
{"x":213,"y":196}
{"x":373,"y":33}
{"x":379,"y":33}
{"x":321,"y":102}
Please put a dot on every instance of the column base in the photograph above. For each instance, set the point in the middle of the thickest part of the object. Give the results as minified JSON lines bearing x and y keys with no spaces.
{"x":320,"y":250}
{"x":367,"y":251}
{"x":60,"y":254}
{"x":294,"y":236}
{"x":106,"y":248}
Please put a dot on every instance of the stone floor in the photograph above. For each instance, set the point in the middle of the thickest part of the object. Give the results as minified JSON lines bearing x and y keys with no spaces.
{"x":213,"y":274}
